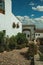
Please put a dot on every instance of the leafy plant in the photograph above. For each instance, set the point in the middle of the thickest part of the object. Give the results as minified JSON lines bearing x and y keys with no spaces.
{"x":12,"y":42}
{"x":21,"y":40}
{"x":32,"y":49}
{"x":2,"y":42}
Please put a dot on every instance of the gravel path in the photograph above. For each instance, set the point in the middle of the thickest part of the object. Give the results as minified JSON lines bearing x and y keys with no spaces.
{"x":15,"y":57}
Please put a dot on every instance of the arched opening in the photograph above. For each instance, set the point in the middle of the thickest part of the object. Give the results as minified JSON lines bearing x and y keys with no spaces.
{"x":28,"y":33}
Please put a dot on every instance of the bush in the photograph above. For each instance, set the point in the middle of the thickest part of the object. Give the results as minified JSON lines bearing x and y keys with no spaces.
{"x":18,"y":41}
{"x":41,"y":57}
{"x":7,"y":43}
{"x":21,"y":40}
{"x":2,"y":48}
{"x":32,"y":49}
{"x":12,"y":42}
{"x":41,"y":52}
{"x":2,"y":42}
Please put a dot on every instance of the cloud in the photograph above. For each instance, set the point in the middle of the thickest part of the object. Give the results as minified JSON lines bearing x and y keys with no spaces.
{"x":29,"y":21}
{"x":32,"y":15}
{"x":31,"y":3}
{"x":38,"y":8}
{"x":41,"y":17}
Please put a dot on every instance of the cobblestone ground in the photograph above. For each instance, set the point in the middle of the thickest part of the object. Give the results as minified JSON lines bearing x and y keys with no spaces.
{"x":14,"y":58}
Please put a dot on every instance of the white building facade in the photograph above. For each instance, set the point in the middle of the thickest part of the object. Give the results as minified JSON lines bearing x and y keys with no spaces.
{"x":38,"y":33}
{"x":8,"y":21}
{"x":29,"y":31}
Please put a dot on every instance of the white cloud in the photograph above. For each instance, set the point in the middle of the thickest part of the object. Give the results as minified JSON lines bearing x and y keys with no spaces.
{"x":32,"y":15}
{"x":42,"y":17}
{"x":31,"y":3}
{"x":39,"y":19}
{"x":38,"y":8}
{"x":36,"y":21}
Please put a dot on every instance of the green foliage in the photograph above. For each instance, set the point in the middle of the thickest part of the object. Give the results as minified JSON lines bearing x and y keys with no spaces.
{"x":41,"y":57}
{"x":32,"y":49}
{"x":7,"y":43}
{"x":12,"y":42}
{"x":41,"y":52}
{"x":2,"y":48}
{"x":18,"y":41}
{"x":2,"y":43}
{"x":21,"y":40}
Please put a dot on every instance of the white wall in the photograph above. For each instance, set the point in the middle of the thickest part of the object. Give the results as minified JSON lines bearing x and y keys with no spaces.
{"x":7,"y":19}
{"x":38,"y":35}
{"x":31,"y":32}
{"x":27,"y":33}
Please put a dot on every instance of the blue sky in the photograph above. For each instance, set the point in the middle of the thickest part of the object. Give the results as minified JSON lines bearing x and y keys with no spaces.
{"x":31,"y":8}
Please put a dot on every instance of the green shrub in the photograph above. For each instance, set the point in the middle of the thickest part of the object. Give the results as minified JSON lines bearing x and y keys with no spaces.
{"x":2,"y":48}
{"x":7,"y":43}
{"x":41,"y":56}
{"x":2,"y":41}
{"x":12,"y":42}
{"x":21,"y":40}
{"x":41,"y":52}
{"x":18,"y":41}
{"x":32,"y":49}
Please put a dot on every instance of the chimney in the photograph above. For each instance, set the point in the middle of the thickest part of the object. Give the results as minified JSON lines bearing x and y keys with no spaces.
{"x":8,"y":7}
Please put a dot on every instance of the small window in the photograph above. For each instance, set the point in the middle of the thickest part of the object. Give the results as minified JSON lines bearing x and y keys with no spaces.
{"x":17,"y":25}
{"x":28,"y":35}
{"x":13,"y":25}
{"x":38,"y":34}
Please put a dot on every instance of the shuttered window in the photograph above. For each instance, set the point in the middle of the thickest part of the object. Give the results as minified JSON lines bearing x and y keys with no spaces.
{"x":2,"y":6}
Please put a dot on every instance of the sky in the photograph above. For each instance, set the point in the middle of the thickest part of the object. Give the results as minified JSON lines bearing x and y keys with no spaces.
{"x":31,"y":8}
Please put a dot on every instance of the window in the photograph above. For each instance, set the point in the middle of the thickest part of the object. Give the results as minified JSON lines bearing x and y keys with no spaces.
{"x":17,"y":25}
{"x":13,"y":25}
{"x":28,"y":35}
{"x":2,"y":6}
{"x":38,"y":34}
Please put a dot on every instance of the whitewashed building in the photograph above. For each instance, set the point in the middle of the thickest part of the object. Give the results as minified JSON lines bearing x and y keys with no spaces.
{"x":29,"y":31}
{"x":38,"y":33}
{"x":8,"y":21}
